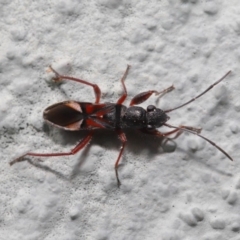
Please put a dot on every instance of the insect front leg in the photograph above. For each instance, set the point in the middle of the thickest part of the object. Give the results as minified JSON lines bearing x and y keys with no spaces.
{"x":79,"y":146}
{"x":157,"y":133}
{"x":95,"y":87}
{"x":201,"y":136}
{"x":142,"y":97}
{"x":123,"y":139}
{"x":178,"y":132}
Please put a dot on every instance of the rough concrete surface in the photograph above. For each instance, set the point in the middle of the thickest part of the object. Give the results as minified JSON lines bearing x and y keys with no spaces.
{"x":186,"y":191}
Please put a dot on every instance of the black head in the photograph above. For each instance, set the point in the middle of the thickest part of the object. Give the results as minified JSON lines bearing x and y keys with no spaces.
{"x":156,"y":117}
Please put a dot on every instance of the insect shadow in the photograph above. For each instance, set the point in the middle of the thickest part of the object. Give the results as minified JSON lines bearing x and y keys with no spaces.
{"x":137,"y":144}
{"x":94,"y":117}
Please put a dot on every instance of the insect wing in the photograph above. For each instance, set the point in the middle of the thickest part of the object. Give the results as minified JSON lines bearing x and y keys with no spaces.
{"x":66,"y":115}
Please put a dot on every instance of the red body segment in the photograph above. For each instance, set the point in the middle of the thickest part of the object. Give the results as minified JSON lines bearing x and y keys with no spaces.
{"x":75,"y":116}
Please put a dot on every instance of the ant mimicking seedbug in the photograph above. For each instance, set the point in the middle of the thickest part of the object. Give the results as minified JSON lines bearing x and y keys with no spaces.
{"x":75,"y":116}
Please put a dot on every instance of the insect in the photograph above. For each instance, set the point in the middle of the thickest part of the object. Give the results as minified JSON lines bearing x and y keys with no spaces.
{"x":75,"y":116}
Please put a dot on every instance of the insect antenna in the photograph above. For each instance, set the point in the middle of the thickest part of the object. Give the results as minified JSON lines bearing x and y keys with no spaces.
{"x":195,"y":133}
{"x":193,"y":99}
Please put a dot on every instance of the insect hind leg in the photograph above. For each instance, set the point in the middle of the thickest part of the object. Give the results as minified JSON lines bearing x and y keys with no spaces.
{"x":79,"y":146}
{"x":95,"y":87}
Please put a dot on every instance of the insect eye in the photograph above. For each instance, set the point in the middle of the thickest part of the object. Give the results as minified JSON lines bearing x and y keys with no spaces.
{"x":151,"y":108}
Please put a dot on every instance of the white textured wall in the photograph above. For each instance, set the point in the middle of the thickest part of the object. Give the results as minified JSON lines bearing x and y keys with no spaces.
{"x":191,"y":193}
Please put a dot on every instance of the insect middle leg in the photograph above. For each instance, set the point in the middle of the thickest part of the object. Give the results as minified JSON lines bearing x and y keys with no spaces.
{"x":142,"y":97}
{"x":178,"y":132}
{"x":124,"y":95}
{"x":95,"y":87}
{"x":79,"y":146}
{"x":123,"y":139}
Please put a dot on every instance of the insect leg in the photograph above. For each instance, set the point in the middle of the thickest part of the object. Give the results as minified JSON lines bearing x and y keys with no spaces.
{"x":95,"y":87}
{"x":178,"y":132}
{"x":123,"y":139}
{"x":155,"y":132}
{"x":124,"y":95}
{"x":142,"y":97}
{"x":79,"y":146}
{"x":206,"y":139}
